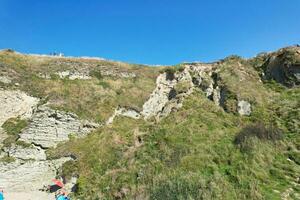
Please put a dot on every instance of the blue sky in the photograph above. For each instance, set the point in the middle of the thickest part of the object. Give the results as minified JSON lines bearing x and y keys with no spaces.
{"x":149,"y":31}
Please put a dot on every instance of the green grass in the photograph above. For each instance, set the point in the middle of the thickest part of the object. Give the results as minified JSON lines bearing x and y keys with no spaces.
{"x":94,"y":99}
{"x":13,"y":128}
{"x":191,"y":154}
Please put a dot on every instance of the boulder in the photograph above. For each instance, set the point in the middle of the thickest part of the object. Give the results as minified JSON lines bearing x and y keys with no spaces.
{"x":126,"y":112}
{"x":244,"y":107}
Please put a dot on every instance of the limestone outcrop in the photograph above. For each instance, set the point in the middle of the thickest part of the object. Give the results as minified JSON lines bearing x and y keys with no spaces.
{"x":160,"y":96}
{"x":172,"y":88}
{"x":284,"y":66}
{"x":126,"y":112}
{"x":49,"y":127}
{"x":5,"y":79}
{"x":25,"y":153}
{"x":28,"y":176}
{"x":111,"y":72}
{"x":73,"y":75}
{"x":16,"y":104}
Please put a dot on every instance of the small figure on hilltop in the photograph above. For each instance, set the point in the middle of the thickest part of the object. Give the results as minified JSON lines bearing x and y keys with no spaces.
{"x":57,"y":54}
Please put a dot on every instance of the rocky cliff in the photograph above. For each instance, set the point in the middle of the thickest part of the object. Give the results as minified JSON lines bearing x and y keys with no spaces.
{"x":105,"y":122}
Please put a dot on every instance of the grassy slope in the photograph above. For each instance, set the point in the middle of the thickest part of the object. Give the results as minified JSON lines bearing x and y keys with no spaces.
{"x":93,"y":99}
{"x":188,"y":155}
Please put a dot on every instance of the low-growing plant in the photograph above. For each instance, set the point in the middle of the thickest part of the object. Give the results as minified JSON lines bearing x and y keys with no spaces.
{"x":104,"y":84}
{"x":23,"y":144}
{"x":7,"y":159}
{"x":96,"y":73}
{"x":182,"y":86}
{"x":170,"y":72}
{"x":260,"y":131}
{"x":69,"y":170}
{"x":14,"y":126}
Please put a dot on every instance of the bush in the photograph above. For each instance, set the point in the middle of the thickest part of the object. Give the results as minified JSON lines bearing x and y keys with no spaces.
{"x":9,"y":50}
{"x":7,"y":159}
{"x":97,"y":74}
{"x":259,"y":131}
{"x":14,"y":126}
{"x":170,"y":73}
{"x":69,"y":169}
{"x":182,"y":86}
{"x":104,"y":84}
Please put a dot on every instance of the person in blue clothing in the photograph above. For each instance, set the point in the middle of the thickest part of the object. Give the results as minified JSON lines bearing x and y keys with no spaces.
{"x":1,"y":194}
{"x":61,"y":196}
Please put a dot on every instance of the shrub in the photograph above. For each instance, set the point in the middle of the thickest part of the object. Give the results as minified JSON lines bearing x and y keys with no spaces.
{"x":96,"y":73}
{"x":14,"y":126}
{"x":170,"y":72}
{"x":9,"y":141}
{"x":7,"y":159}
{"x":69,"y":169}
{"x":104,"y":84}
{"x":23,"y":144}
{"x":259,"y":131}
{"x":233,"y":58}
{"x":9,"y":50}
{"x":182,"y":86}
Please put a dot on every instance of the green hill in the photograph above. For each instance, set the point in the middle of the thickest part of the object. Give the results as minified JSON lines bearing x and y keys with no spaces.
{"x":223,"y":130}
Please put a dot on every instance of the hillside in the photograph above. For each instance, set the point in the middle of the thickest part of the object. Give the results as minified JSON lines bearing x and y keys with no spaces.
{"x":112,"y":130}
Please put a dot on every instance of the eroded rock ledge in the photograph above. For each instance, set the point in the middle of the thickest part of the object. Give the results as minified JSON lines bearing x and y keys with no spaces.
{"x":49,"y":127}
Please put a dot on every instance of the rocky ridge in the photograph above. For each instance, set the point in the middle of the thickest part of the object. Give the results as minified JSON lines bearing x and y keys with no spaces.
{"x":173,"y":87}
{"x":30,"y":170}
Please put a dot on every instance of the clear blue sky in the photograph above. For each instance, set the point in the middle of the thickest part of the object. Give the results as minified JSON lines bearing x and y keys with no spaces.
{"x":149,"y":31}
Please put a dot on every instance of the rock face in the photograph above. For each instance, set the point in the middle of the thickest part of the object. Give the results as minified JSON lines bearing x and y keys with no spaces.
{"x":5,"y":79}
{"x":49,"y":127}
{"x":165,"y":98}
{"x":25,"y":153}
{"x":159,"y":97}
{"x":15,"y":104}
{"x":73,"y":75}
{"x":171,"y":89}
{"x":122,"y":74}
{"x":205,"y":76}
{"x":244,"y":107}
{"x":126,"y":112}
{"x":85,"y":74}
{"x":284,"y":66}
{"x":28,"y":176}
